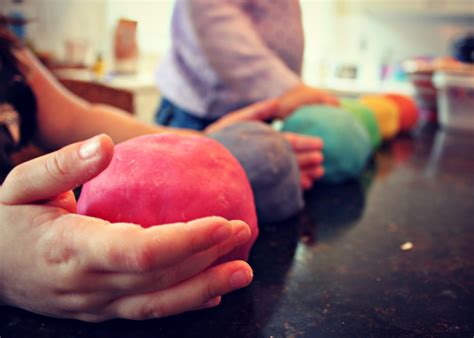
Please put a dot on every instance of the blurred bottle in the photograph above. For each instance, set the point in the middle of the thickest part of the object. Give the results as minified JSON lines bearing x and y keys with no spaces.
{"x":126,"y":47}
{"x":98,"y":68}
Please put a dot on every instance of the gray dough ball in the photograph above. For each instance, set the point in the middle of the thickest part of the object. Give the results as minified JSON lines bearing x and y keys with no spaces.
{"x":271,"y":167}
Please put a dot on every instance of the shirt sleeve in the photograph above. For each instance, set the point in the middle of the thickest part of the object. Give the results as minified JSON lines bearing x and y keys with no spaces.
{"x":237,"y":53}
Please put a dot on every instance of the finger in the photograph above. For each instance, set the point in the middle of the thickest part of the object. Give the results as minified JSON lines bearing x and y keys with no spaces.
{"x":309,"y":159}
{"x":126,"y":283}
{"x":66,"y":201}
{"x":53,"y":174}
{"x":306,"y":181}
{"x":328,"y":98}
{"x":303,"y":143}
{"x":261,"y":111}
{"x":185,"y":296}
{"x":314,"y":173}
{"x":308,"y":176}
{"x":123,"y":247}
{"x":88,"y":307}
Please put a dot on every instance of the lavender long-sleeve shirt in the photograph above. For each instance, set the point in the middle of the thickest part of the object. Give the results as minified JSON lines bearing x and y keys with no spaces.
{"x":226,"y":54}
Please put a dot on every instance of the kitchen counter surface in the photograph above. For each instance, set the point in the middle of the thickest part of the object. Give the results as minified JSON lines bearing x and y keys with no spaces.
{"x":337,"y":269}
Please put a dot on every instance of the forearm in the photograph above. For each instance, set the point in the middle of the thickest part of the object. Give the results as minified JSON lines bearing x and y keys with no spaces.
{"x":87,"y":120}
{"x":64,"y":118}
{"x":121,"y":126}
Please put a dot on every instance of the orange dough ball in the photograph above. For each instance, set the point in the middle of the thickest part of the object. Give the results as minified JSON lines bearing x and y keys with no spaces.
{"x":408,"y":110}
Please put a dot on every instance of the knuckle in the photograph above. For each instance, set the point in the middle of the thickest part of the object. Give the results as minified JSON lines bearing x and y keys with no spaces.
{"x":56,"y":166}
{"x":194,"y":242}
{"x":147,"y":283}
{"x":138,"y":257}
{"x":65,"y":283}
{"x":77,"y":303}
{"x":160,"y":281}
{"x":57,"y":245}
{"x":195,"y":246}
{"x":142,"y":260}
{"x":129,"y":260}
{"x":167,"y":278}
{"x":210,"y":291}
{"x":151,"y":309}
{"x":114,"y":255}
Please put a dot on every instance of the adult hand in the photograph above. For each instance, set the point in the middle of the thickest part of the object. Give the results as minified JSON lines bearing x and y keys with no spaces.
{"x":303,"y":95}
{"x":308,"y":154}
{"x":57,"y":263}
{"x":261,"y":111}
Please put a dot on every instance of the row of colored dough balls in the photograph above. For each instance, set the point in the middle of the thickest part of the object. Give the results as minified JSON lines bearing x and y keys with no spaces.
{"x":354,"y":130}
{"x":384,"y":116}
{"x":242,"y":171}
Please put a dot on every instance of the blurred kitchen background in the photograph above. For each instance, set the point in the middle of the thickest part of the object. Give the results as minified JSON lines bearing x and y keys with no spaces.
{"x":353,"y":47}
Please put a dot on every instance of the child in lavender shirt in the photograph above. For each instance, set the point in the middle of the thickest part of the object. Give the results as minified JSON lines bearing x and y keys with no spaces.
{"x":226,"y":54}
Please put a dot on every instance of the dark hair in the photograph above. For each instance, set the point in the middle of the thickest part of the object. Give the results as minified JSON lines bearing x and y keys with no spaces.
{"x":15,"y":89}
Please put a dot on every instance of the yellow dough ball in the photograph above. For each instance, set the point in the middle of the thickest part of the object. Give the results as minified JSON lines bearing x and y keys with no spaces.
{"x":386,"y":112}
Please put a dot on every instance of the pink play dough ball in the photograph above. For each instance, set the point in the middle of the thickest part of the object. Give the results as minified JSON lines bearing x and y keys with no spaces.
{"x":168,"y":178}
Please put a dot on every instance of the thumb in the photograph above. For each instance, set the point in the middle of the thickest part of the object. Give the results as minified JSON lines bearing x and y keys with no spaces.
{"x":53,"y":174}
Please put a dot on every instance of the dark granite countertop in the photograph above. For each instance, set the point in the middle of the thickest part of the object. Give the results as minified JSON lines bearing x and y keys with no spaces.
{"x":337,"y":269}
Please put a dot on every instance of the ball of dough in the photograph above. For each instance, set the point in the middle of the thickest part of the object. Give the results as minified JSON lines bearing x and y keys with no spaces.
{"x":168,"y":178}
{"x":366,"y":117}
{"x":386,"y":112}
{"x":347,"y":145}
{"x":271,"y":167}
{"x":408,"y":111}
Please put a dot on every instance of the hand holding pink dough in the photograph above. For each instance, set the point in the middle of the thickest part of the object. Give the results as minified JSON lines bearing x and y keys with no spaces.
{"x":168,"y":178}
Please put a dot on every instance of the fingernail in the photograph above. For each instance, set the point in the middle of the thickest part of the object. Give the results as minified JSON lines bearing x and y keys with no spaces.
{"x":221,"y":234}
{"x":239,"y":279}
{"x":243,"y":236}
{"x":89,"y":148}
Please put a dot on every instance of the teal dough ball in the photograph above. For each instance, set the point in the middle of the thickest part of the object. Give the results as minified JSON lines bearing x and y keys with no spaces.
{"x":270,"y":165}
{"x":347,"y":145}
